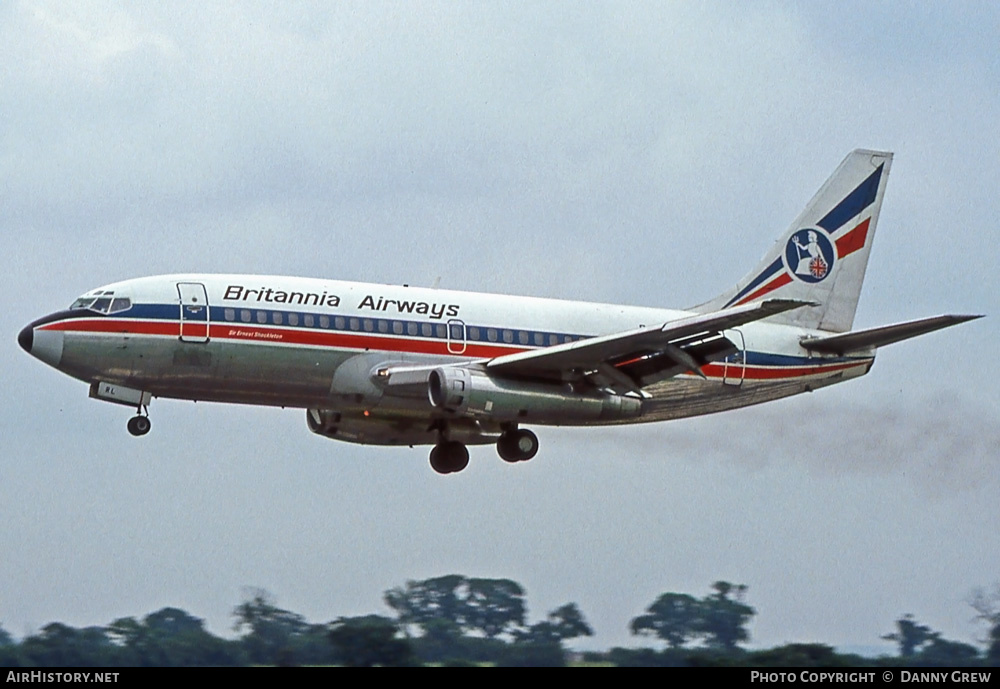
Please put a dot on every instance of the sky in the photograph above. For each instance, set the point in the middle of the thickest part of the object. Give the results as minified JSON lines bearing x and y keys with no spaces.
{"x":637,"y":153}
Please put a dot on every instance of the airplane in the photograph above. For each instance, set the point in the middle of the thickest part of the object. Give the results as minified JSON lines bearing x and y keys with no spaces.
{"x":399,"y":365}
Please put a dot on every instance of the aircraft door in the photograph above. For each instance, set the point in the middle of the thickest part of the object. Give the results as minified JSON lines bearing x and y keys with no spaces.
{"x":734,"y":364}
{"x":456,"y":336}
{"x":194,"y":320}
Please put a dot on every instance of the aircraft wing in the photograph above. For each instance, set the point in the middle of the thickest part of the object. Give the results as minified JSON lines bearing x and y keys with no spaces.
{"x":625,"y":361}
{"x":632,"y":359}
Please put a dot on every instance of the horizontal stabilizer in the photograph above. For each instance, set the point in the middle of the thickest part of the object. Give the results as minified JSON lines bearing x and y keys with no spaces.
{"x":878,"y":337}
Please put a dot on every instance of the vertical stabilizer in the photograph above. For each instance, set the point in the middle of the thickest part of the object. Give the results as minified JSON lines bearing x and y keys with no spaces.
{"x":823,"y":255}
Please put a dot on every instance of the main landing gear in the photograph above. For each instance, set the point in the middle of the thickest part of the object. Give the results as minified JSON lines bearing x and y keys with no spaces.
{"x":514,"y":445}
{"x":517,"y":445}
{"x":140,"y":423}
{"x":449,"y":457}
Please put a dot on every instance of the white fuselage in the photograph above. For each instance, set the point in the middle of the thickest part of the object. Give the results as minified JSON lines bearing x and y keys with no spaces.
{"x":316,"y":344}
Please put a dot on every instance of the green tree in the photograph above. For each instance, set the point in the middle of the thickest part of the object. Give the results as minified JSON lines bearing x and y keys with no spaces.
{"x":911,"y":636}
{"x":171,"y":637}
{"x":369,"y":641}
{"x":719,"y":620}
{"x":271,"y":635}
{"x":59,"y":645}
{"x":492,"y":606}
{"x":419,"y":602}
{"x":801,"y":655}
{"x":724,"y":617}
{"x":945,"y":652}
{"x":565,"y":622}
{"x":673,"y":617}
{"x":987,"y":607}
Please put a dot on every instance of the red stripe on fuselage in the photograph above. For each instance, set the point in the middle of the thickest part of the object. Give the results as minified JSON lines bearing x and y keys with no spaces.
{"x":387,"y":343}
{"x":264,"y":335}
{"x":775,"y":372}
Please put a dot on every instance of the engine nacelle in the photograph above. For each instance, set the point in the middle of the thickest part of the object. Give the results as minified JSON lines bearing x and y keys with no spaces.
{"x":471,"y":393}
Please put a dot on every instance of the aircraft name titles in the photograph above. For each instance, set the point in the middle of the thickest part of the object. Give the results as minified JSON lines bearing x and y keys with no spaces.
{"x":277,"y":296}
{"x":434,"y":310}
{"x":375,"y":303}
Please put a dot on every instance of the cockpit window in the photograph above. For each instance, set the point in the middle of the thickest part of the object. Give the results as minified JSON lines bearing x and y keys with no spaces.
{"x":102,"y":302}
{"x":119,"y":304}
{"x":101,"y":305}
{"x":82,"y":303}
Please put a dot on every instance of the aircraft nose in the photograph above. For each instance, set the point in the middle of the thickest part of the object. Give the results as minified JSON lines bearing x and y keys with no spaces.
{"x":26,"y":337}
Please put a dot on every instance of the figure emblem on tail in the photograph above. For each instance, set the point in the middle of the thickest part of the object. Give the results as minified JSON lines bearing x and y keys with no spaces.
{"x":809,"y":255}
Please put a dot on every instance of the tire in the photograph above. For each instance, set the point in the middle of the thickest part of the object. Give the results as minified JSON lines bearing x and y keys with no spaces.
{"x":139,"y":425}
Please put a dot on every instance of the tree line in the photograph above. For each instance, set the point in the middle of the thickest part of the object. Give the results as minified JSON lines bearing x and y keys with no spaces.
{"x":457,"y":620}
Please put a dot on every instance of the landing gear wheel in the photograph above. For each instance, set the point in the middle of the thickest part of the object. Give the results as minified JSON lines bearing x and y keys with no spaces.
{"x":518,"y":445}
{"x":449,"y":457}
{"x":139,"y":425}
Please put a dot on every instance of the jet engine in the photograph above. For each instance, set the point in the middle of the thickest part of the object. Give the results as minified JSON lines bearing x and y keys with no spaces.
{"x":471,"y":393}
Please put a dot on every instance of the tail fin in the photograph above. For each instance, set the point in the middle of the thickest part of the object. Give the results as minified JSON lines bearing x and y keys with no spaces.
{"x":823,"y":255}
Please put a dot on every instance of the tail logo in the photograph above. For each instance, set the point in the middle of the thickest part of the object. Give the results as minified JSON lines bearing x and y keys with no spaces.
{"x":809,"y":255}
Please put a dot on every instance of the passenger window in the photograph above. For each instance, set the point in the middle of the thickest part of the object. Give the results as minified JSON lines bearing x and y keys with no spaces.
{"x":473,"y":333}
{"x":397,"y":327}
{"x":539,"y":339}
{"x":230,"y":314}
{"x":276,"y":316}
{"x":369,"y":326}
{"x":324,"y":321}
{"x":411,"y":328}
{"x":425,"y":329}
{"x":293,"y":319}
{"x":492,"y":334}
{"x":355,"y":324}
{"x":245,"y":315}
{"x":522,"y":337}
{"x":309,"y":320}
{"x":262,"y":316}
{"x":553,"y":339}
{"x":508,"y":336}
{"x":338,"y":322}
{"x":383,"y":326}
{"x":441,"y":331}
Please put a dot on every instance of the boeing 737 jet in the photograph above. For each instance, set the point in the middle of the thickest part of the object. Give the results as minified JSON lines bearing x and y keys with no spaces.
{"x":393,"y":365}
